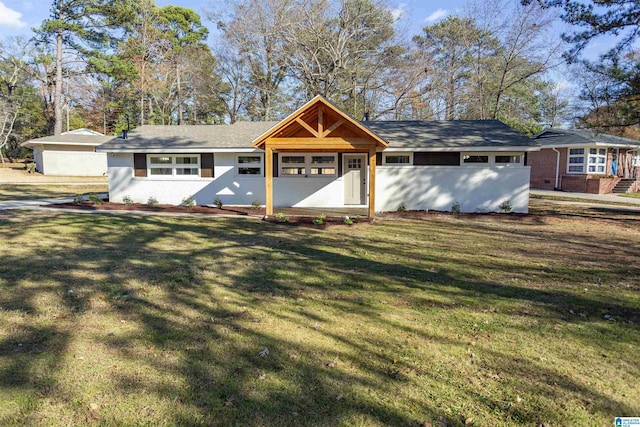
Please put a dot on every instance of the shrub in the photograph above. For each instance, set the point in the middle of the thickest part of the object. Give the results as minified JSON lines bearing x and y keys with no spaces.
{"x":347,"y":220}
{"x":402,"y":207}
{"x":31,"y":167}
{"x":320,"y":219}
{"x":94,"y":199}
{"x":255,"y":205}
{"x":281,"y":217}
{"x":78,"y":199}
{"x":152,"y":201}
{"x":218,"y":202}
{"x":455,"y":208}
{"x":188,"y":202}
{"x":127,"y":200}
{"x":506,"y":206}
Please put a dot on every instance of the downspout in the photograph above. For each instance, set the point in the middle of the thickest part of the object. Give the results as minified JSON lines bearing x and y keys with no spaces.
{"x":556,"y":187}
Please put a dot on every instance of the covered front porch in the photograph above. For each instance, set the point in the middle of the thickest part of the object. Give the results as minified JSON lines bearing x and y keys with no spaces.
{"x":317,"y":147}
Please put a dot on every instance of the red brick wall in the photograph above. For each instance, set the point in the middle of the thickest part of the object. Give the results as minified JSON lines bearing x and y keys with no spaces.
{"x":543,"y":168}
{"x":582,"y":184}
{"x":576,"y":183}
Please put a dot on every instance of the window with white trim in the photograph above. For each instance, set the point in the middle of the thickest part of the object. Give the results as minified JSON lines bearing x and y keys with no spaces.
{"x":635,"y":158}
{"x":396,"y":159}
{"x":250,"y":164}
{"x":474,"y":158}
{"x":576,"y":160}
{"x":181,"y":166}
{"x":508,"y":159}
{"x":596,"y":160}
{"x":308,"y":165}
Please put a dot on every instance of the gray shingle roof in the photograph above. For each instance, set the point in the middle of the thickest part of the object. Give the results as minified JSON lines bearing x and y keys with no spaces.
{"x":431,"y":135}
{"x":69,"y":139}
{"x":449,"y":134}
{"x":237,"y":135}
{"x":561,"y":137}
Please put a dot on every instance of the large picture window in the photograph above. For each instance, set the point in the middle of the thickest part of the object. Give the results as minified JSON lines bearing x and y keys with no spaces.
{"x":174,"y":165}
{"x":308,"y":165}
{"x":396,"y":159}
{"x":249,"y":165}
{"x":576,"y":160}
{"x":597,"y":160}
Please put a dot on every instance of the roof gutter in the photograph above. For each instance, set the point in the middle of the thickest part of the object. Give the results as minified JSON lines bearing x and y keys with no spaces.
{"x":556,"y":186}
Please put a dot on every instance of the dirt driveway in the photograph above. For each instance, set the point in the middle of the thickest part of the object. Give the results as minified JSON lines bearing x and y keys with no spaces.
{"x":16,"y":174}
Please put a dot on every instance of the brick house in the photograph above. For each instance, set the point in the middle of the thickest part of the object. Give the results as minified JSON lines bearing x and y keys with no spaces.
{"x":580,"y":161}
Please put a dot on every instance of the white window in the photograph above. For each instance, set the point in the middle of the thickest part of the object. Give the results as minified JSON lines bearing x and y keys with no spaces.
{"x":596,"y":160}
{"x":635,"y":158}
{"x":508,"y":159}
{"x":308,"y":165}
{"x":250,"y":164}
{"x":180,"y":166}
{"x":474,"y":158}
{"x":576,"y":160}
{"x":396,"y":159}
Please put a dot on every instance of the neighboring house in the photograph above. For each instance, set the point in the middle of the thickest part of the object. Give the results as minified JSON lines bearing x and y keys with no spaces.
{"x":70,"y":153}
{"x":573,"y":160}
{"x":320,"y":157}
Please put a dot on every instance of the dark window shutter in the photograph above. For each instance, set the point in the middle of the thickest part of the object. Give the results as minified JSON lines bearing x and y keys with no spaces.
{"x":139,"y":164}
{"x":275,"y":165}
{"x":378,"y":159}
{"x":339,"y":164}
{"x":206,"y":165}
{"x":436,"y":159}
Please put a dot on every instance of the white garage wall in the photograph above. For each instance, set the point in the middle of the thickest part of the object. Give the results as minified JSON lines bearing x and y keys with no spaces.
{"x":475,"y":188}
{"x":73,"y":163}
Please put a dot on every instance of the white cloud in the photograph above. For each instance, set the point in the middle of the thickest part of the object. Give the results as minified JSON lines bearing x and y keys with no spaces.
{"x":10,"y":18}
{"x":399,"y":12}
{"x":440,"y":13}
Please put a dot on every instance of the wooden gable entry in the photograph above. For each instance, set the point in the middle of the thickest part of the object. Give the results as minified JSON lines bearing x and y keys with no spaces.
{"x":319,"y":126}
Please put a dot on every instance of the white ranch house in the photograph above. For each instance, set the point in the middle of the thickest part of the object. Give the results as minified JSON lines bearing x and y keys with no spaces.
{"x":319,"y":157}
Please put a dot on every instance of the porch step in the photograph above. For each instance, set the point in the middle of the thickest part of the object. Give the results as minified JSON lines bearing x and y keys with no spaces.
{"x":623,"y":186}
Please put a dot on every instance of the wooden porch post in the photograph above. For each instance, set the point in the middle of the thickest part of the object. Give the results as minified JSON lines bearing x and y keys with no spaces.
{"x":268,"y":168}
{"x":372,"y":182}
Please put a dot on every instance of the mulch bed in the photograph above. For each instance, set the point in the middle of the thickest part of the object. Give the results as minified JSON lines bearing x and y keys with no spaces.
{"x":209,"y":210}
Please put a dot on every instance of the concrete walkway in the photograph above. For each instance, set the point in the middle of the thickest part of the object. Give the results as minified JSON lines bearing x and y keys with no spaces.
{"x":601,"y":198}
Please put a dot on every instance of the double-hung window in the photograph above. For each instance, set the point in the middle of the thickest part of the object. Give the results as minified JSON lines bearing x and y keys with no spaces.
{"x":314,"y":165}
{"x":174,"y":165}
{"x":596,"y":160}
{"x":576,"y":160}
{"x":250,"y":164}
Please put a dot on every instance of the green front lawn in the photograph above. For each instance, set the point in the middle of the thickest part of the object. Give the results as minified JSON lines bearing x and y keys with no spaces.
{"x":484,"y":321}
{"x":44,"y":191}
{"x":631,"y":195}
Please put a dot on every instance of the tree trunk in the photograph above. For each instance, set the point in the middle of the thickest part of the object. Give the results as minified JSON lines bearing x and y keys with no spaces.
{"x":57,"y":100}
{"x":179,"y":94}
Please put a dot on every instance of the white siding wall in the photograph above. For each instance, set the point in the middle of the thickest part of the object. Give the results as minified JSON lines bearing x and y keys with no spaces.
{"x":476,"y":188}
{"x":76,"y":163}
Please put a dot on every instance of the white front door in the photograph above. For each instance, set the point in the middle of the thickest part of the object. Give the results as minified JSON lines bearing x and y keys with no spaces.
{"x":355,"y":179}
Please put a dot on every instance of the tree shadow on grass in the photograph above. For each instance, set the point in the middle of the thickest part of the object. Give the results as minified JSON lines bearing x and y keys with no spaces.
{"x":205,"y":297}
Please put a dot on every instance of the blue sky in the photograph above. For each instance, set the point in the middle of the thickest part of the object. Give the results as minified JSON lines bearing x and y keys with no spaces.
{"x":17,"y":17}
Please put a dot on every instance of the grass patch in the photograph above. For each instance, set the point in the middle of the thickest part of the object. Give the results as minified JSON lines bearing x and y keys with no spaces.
{"x":44,"y":191}
{"x":631,"y":195}
{"x":580,"y":200}
{"x":488,"y":320}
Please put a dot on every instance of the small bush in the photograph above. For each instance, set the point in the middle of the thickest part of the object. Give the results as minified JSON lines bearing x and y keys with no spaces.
{"x":281,"y":217}
{"x":127,"y":200}
{"x":218,"y":203}
{"x":255,"y":205}
{"x":94,"y":199}
{"x":188,"y":202}
{"x":152,"y":201}
{"x":78,"y":199}
{"x":402,"y":207}
{"x":506,"y":206}
{"x":320,"y":219}
{"x":31,"y":167}
{"x":455,"y":208}
{"x":347,"y":220}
